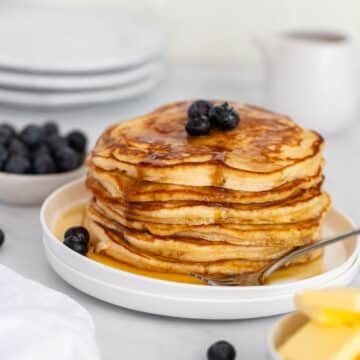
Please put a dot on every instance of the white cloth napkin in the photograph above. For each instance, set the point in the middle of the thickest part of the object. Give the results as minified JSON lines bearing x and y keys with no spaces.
{"x":38,"y":323}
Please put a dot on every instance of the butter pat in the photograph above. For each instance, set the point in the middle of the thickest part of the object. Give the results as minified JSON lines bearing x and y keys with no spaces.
{"x":334,"y":306}
{"x":321,"y":342}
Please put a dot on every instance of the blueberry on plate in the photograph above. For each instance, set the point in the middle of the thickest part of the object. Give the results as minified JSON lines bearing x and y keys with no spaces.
{"x":32,"y":135}
{"x":17,"y":164}
{"x":7,"y":132}
{"x":199,"y":108}
{"x":66,"y":159}
{"x":2,"y":238}
{"x":50,"y":128}
{"x":77,"y":239}
{"x":224,"y":117}
{"x":79,"y":232}
{"x":78,"y":247}
{"x":4,"y":153}
{"x":44,"y":164}
{"x":198,"y":126}
{"x":221,"y":350}
{"x":77,"y":141}
{"x":17,"y":147}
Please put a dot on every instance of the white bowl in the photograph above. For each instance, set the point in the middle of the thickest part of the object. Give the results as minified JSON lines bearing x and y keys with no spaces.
{"x":282,"y":330}
{"x":186,"y":300}
{"x":33,"y":189}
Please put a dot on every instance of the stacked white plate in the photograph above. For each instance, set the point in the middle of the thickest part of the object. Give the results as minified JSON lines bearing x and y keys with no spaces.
{"x":61,"y":57}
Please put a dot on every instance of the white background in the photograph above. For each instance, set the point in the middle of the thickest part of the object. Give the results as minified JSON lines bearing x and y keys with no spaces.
{"x":220,"y":31}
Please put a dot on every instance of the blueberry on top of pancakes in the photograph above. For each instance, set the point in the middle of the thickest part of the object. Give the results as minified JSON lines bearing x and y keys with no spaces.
{"x":224,"y":117}
{"x":203,"y":115}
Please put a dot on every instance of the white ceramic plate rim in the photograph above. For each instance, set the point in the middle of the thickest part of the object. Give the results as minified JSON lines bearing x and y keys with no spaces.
{"x":43,"y":82}
{"x":232,"y":299}
{"x":18,"y":20}
{"x":191,"y":287}
{"x":78,"y":98}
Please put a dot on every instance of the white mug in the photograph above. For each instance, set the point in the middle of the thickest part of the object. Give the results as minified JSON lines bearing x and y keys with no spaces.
{"x":312,"y":76}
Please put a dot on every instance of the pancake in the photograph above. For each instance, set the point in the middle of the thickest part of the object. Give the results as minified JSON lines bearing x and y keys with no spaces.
{"x":309,"y":204}
{"x":228,"y":202}
{"x":281,"y":235}
{"x":111,"y":243}
{"x":120,"y":185}
{"x":187,"y":248}
{"x":265,"y":151}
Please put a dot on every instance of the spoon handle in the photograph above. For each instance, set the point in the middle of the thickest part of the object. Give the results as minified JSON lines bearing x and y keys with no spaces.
{"x":304,"y":250}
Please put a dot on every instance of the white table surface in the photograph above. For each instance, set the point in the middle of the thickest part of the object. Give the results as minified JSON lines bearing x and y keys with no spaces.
{"x":131,"y":335}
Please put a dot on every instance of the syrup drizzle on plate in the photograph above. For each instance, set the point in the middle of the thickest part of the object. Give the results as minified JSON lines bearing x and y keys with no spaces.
{"x":74,"y":217}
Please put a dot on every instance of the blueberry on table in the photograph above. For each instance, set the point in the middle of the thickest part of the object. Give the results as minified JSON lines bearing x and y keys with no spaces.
{"x":17,"y":164}
{"x":77,"y":141}
{"x":44,"y":164}
{"x":4,"y":153}
{"x":17,"y":147}
{"x":198,"y":126}
{"x":50,"y":128}
{"x":224,"y":117}
{"x":32,"y":135}
{"x":199,"y":108}
{"x":77,"y":239}
{"x":221,"y":350}
{"x":66,"y":159}
{"x":2,"y":238}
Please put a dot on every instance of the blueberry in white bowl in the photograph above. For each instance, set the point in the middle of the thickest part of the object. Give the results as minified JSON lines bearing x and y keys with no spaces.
{"x":37,"y":159}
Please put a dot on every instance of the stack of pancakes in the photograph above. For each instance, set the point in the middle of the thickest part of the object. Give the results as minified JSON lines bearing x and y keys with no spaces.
{"x":222,"y":203}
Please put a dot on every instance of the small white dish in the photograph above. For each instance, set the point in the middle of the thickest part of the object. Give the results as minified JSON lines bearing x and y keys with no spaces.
{"x":186,"y":300}
{"x":33,"y":189}
{"x":282,"y":330}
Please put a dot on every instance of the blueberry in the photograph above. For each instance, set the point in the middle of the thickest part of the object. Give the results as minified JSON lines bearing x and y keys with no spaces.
{"x":221,"y":350}
{"x":44,"y":164}
{"x":17,"y":164}
{"x":42,"y":149}
{"x":4,"y":153}
{"x":66,"y":159}
{"x":199,"y":108}
{"x":77,"y":233}
{"x":50,"y":128}
{"x":198,"y":126}
{"x":2,"y":238}
{"x":224,"y":117}
{"x":79,"y":247}
{"x":17,"y":147}
{"x":7,"y":132}
{"x":56,"y":142}
{"x":32,"y":135}
{"x":77,"y":140}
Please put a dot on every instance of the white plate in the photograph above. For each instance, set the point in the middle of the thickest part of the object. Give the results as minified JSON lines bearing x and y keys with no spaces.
{"x":71,"y":39}
{"x":63,"y":82}
{"x":186,"y":300}
{"x":58,"y":99}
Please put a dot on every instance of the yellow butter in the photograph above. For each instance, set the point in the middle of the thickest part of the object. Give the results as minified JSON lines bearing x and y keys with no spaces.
{"x":333,"y":306}
{"x":316,"y":341}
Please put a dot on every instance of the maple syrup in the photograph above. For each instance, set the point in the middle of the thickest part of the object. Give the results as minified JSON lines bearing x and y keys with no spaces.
{"x":75,"y":216}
